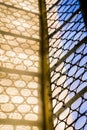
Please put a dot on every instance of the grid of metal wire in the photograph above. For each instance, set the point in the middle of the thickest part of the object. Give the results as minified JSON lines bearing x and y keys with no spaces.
{"x":68,"y":64}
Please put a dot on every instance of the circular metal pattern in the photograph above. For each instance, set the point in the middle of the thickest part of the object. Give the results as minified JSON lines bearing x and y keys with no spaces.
{"x":68,"y":63}
{"x":32,"y":100}
{"x":12,"y":91}
{"x":74,"y":117}
{"x":17,"y":99}
{"x":4,"y":98}
{"x":81,"y":121}
{"x":24,"y":108}
{"x":19,"y":50}
{"x":31,"y":117}
{"x":25,"y":92}
{"x":23,"y":54}
{"x":7,"y":107}
{"x":19,"y":94}
{"x":70,"y":75}
{"x":18,"y":127}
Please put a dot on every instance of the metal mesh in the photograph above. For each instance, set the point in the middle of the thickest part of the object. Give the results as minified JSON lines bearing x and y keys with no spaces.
{"x":20,"y":70}
{"x":19,"y":53}
{"x":73,"y":117}
{"x":68,"y":64}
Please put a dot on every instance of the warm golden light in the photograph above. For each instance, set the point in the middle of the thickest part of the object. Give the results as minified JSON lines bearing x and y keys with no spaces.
{"x":19,"y":51}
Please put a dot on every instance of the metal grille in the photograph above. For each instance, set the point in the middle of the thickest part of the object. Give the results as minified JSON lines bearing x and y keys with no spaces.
{"x":20,"y":66}
{"x":68,"y":64}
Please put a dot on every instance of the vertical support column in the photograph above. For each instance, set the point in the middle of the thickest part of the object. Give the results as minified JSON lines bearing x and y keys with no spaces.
{"x":46,"y":94}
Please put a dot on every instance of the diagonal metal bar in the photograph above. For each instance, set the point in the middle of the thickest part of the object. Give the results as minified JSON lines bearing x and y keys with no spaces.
{"x":20,"y":122}
{"x":16,"y":35}
{"x":10,"y":6}
{"x":55,"y":4}
{"x":21,"y":72}
{"x":51,"y":35}
{"x":68,"y":104}
{"x":69,"y":53}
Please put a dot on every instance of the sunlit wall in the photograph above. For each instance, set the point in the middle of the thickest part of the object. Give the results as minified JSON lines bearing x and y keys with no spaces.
{"x":20,"y":89}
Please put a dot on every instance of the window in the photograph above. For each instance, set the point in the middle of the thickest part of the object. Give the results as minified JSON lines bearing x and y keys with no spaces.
{"x":43,"y":65}
{"x":20,"y":87}
{"x":68,"y":59}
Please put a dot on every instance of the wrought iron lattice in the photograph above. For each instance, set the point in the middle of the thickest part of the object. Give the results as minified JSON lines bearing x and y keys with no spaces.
{"x":24,"y":69}
{"x":20,"y":66}
{"x":68,"y":64}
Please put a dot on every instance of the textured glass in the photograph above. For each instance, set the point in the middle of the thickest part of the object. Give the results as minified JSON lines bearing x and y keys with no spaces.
{"x":20,"y":98}
{"x":68,"y":61}
{"x":27,"y":5}
{"x":19,"y":22}
{"x":19,"y":53}
{"x":18,"y":127}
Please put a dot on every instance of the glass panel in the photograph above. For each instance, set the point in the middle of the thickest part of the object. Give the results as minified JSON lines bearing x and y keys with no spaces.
{"x":20,"y":89}
{"x":68,"y":59}
{"x":19,"y":22}
{"x":19,"y":53}
{"x":75,"y":117}
{"x":19,"y":97}
{"x":28,"y":5}
{"x":18,"y":127}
